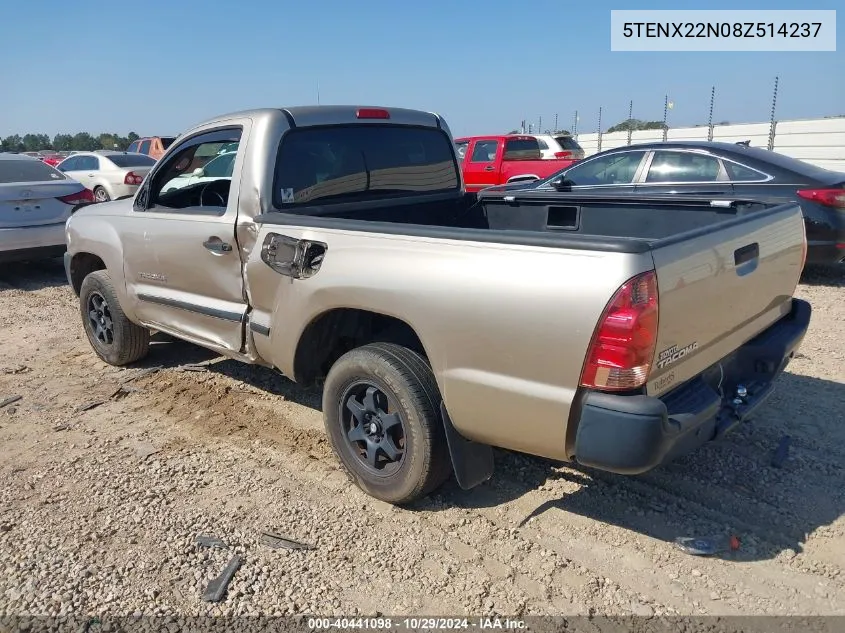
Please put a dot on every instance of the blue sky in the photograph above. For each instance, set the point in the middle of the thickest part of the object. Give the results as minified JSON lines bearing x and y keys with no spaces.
{"x":159,"y":66}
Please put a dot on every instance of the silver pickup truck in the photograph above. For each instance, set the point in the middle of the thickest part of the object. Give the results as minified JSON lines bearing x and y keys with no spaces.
{"x":340,"y":247}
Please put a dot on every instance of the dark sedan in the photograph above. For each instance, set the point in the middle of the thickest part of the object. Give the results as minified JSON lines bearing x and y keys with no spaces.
{"x":721,"y":170}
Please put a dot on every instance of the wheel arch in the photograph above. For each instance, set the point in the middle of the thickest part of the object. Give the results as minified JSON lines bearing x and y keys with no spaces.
{"x":81,"y":265}
{"x":522,"y":177}
{"x":334,"y":332}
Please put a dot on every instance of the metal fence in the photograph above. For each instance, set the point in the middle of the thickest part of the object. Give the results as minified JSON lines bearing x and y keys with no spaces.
{"x":817,"y":141}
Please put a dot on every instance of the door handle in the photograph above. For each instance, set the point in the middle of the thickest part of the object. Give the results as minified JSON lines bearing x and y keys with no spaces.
{"x":216,"y":245}
{"x":90,"y":175}
{"x":489,"y":168}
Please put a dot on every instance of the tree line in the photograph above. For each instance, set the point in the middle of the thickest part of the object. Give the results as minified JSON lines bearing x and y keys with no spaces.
{"x":81,"y":142}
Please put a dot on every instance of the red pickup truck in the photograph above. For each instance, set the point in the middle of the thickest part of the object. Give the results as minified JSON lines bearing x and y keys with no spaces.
{"x":497,"y":160}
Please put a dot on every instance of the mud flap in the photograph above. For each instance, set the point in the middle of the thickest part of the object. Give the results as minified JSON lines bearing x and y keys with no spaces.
{"x":471,"y":461}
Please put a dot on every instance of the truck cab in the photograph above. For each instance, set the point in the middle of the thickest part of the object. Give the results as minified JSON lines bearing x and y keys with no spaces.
{"x":497,"y":160}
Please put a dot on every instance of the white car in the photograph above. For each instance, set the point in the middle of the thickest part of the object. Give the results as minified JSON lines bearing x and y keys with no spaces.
{"x":35,"y":202}
{"x":559,"y":146}
{"x":219,"y":167}
{"x":110,"y":175}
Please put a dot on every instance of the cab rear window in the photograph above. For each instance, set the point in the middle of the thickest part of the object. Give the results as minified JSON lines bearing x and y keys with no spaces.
{"x":323,"y":165}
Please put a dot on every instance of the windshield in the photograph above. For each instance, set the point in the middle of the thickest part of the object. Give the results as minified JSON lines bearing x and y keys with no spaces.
{"x":131,"y":160}
{"x":24,"y":170}
{"x":355,"y":161}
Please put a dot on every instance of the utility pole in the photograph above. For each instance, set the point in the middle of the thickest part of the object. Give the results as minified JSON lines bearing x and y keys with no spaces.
{"x":773,"y":123}
{"x":598,"y":149}
{"x":630,"y":120}
{"x":710,"y":118}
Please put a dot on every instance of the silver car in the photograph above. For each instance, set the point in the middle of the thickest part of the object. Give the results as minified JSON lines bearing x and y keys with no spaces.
{"x":35,"y":202}
{"x":110,"y":175}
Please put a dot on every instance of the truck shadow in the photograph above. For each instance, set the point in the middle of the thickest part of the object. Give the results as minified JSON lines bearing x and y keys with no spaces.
{"x":171,"y":353}
{"x":828,"y":276}
{"x":726,"y":488}
{"x":34,"y":275}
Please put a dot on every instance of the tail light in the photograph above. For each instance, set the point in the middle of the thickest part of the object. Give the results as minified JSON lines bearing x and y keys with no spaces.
{"x":622,"y":349}
{"x":563,"y":154}
{"x":133,"y":179}
{"x":372,"y":113}
{"x":828,"y":197}
{"x":81,"y":197}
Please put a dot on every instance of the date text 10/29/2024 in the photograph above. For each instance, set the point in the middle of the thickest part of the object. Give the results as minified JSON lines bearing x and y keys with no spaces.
{"x":416,"y":624}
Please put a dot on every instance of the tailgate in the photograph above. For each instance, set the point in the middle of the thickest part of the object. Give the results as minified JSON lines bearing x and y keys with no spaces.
{"x":721,"y":287}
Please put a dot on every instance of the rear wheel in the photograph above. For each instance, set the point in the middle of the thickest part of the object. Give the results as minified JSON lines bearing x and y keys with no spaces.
{"x":381,"y":411}
{"x":113,"y":336}
{"x":101,"y":195}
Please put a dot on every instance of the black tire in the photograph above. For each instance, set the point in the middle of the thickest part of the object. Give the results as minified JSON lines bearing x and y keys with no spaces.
{"x":101,"y":195}
{"x":121,"y":343}
{"x":404,"y":383}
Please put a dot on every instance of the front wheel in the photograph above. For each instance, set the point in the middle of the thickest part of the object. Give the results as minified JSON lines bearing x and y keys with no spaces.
{"x":381,"y":408}
{"x":113,"y":336}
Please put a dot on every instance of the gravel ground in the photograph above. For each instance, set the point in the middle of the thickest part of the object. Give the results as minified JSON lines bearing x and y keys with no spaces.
{"x":101,"y":504}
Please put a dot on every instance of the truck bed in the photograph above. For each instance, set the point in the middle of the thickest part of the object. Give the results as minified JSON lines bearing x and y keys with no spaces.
{"x":725,"y":270}
{"x":581,"y":221}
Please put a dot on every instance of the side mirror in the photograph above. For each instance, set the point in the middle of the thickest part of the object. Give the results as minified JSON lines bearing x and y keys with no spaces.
{"x":562,"y":184}
{"x":197,"y":173}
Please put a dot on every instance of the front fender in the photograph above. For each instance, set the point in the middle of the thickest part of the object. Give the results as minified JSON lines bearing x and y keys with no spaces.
{"x":96,"y":235}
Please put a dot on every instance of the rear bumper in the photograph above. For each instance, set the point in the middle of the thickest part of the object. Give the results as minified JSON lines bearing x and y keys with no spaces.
{"x":122,"y":190}
{"x":32,"y":242}
{"x":633,"y":434}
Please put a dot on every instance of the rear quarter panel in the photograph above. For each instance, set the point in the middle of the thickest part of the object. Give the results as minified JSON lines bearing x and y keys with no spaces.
{"x":505,"y":327}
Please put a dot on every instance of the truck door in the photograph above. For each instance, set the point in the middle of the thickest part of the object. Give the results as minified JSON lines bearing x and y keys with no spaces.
{"x":481,"y":164}
{"x":182,"y":264}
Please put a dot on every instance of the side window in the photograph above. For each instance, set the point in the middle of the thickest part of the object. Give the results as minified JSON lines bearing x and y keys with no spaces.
{"x":172,"y":186}
{"x":220,"y":167}
{"x":683,"y":167}
{"x":613,"y":169}
{"x":133,"y":147}
{"x":70,"y":164}
{"x":144,"y":147}
{"x":543,"y":145}
{"x":741,"y":173}
{"x":88,"y":163}
{"x":461,"y":149}
{"x":484,"y":152}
